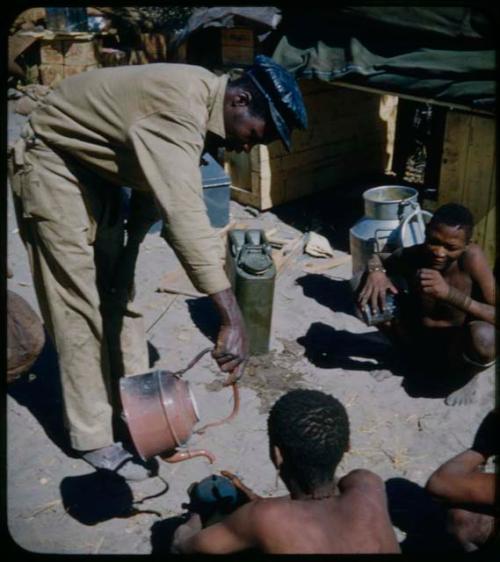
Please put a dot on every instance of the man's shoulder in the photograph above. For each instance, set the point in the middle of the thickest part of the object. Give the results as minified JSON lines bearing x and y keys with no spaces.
{"x":263,"y":509}
{"x":474,"y":259}
{"x":473,"y":251}
{"x":361,"y":483}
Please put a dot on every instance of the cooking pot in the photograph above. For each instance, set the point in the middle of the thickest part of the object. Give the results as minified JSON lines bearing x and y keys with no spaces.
{"x":161,"y":412}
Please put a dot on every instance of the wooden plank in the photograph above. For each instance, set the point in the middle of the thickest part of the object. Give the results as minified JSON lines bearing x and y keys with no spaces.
{"x":237,"y":36}
{"x":237,"y":46}
{"x":79,"y":53}
{"x":457,"y":106}
{"x":51,"y":74}
{"x":489,"y":244}
{"x":478,"y":172}
{"x":453,"y":163}
{"x":51,"y":52}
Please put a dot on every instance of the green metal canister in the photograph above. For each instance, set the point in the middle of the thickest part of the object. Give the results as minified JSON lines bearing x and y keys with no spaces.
{"x":252,"y":273}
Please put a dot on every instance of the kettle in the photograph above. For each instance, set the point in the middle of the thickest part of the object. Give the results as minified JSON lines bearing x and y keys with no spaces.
{"x":161,"y":411}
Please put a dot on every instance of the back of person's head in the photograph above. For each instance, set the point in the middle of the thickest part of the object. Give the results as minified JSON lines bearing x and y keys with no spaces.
{"x":454,"y":214}
{"x":311,"y":429}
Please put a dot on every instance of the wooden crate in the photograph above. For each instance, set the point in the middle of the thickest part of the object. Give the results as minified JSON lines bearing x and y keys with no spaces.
{"x":61,"y":58}
{"x":237,"y":46}
{"x":468,"y":173}
{"x":51,"y":74}
{"x":350,"y":135}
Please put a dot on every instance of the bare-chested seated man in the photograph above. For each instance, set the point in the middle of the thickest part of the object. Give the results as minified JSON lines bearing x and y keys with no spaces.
{"x":447,"y":311}
{"x":308,"y":435}
{"x":469,"y":492}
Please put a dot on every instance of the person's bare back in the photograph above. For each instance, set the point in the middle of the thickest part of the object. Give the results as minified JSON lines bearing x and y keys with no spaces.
{"x":354,"y":521}
{"x":308,"y":434}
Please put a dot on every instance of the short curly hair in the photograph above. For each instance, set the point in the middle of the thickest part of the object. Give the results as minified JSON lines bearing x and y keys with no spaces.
{"x":311,"y":429}
{"x":454,"y":214}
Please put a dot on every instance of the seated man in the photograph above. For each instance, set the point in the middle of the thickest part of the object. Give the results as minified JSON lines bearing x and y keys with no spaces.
{"x":308,"y":435}
{"x":449,"y":306}
{"x":473,"y":515}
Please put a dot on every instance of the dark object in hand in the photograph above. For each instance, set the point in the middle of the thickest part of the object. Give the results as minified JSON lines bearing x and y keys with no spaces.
{"x":213,"y":498}
{"x":390,"y":311}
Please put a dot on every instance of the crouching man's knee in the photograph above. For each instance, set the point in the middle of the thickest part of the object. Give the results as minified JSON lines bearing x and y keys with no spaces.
{"x":470,"y":529}
{"x":480,"y":343}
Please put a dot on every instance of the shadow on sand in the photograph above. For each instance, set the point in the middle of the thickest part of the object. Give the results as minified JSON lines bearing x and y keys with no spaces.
{"x":328,"y":348}
{"x":100,"y":496}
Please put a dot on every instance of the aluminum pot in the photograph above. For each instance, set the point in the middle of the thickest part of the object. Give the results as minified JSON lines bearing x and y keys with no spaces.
{"x":161,"y":412}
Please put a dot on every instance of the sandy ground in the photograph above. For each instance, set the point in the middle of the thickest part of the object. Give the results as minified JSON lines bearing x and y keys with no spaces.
{"x":56,"y":504}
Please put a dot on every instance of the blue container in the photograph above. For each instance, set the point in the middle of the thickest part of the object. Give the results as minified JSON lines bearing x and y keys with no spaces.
{"x":216,"y":191}
{"x":215,"y":490}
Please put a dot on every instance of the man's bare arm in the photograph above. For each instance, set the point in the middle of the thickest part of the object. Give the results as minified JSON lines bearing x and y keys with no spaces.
{"x":234,"y":534}
{"x":482,"y":275}
{"x":476,"y":265}
{"x":459,"y":480}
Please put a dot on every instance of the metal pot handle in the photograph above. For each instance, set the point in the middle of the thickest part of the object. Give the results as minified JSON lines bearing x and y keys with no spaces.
{"x":236,"y":394}
{"x":404,"y":225}
{"x":178,"y":374}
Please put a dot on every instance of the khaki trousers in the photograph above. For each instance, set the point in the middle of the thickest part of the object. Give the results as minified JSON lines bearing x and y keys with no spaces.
{"x":73,"y":229}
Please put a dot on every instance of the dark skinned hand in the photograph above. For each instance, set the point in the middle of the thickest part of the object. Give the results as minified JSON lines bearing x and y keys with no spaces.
{"x":374,"y":291}
{"x":231,"y":349}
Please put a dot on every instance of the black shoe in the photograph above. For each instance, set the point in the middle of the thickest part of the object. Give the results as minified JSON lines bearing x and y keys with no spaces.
{"x":120,"y":461}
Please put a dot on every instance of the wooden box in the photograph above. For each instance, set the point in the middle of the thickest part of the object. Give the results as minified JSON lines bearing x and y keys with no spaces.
{"x":468,"y":173}
{"x":51,"y":52}
{"x":66,"y":56}
{"x":79,"y":53}
{"x":51,"y":74}
{"x":237,"y":46}
{"x":350,"y":135}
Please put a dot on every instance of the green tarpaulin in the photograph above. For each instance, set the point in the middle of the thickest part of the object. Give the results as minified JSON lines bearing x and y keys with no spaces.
{"x":445,"y":54}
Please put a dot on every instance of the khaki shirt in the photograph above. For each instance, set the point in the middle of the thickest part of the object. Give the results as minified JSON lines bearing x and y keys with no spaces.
{"x":144,"y":127}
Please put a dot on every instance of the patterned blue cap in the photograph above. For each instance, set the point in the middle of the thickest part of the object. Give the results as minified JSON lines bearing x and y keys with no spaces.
{"x":282,"y":93}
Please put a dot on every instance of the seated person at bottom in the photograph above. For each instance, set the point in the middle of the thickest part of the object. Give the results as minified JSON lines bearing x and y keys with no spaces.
{"x":469,"y":492}
{"x":308,"y":435}
{"x":448,"y":311}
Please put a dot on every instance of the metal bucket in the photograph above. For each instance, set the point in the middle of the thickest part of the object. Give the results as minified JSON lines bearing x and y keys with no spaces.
{"x":393,"y":218}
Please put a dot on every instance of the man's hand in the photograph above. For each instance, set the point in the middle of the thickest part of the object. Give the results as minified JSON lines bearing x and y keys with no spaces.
{"x":231,"y":350}
{"x":237,"y":483}
{"x":185,"y":531}
{"x":374,"y":290}
{"x":431,"y":283}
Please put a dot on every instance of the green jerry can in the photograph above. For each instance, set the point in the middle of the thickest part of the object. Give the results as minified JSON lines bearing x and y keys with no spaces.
{"x":252,"y":273}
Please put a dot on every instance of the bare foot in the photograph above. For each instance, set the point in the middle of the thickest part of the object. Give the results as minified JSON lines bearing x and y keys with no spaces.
{"x":463,"y":396}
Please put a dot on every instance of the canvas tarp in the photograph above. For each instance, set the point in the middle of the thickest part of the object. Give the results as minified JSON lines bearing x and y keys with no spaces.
{"x":445,"y":54}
